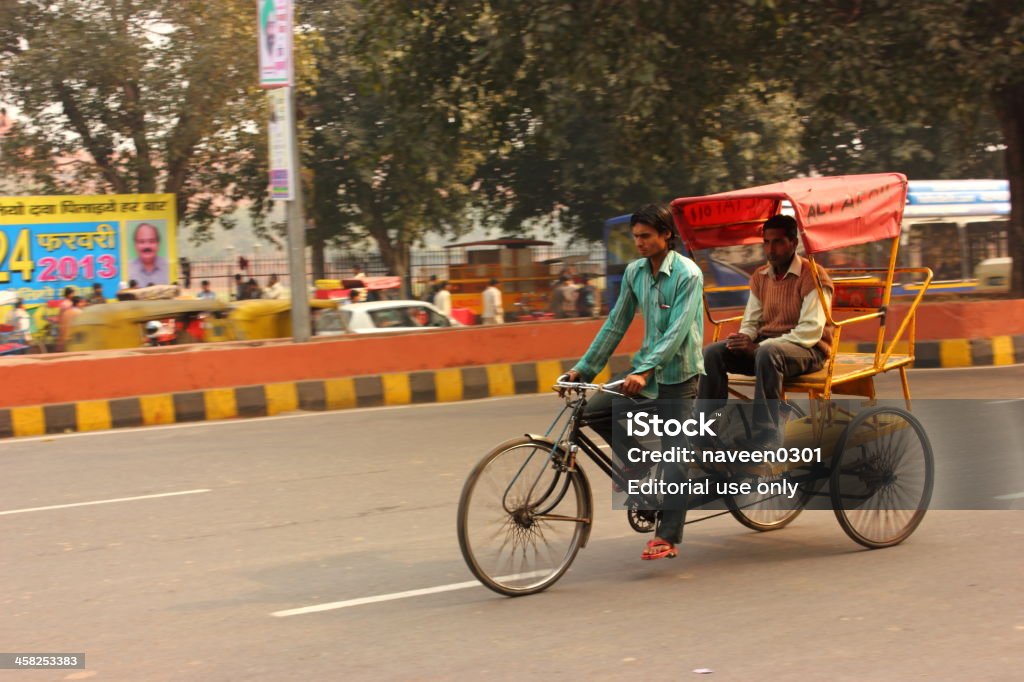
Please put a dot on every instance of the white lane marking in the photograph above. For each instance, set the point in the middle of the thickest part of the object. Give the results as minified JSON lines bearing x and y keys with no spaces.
{"x":119,"y":499}
{"x":1008,"y":400}
{"x":1011,"y":496}
{"x":241,"y":421}
{"x":330,"y":606}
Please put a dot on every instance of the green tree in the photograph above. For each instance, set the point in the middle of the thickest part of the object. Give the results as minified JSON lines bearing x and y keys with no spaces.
{"x":392,"y":122}
{"x":933,"y":87}
{"x":515,"y":113}
{"x":135,"y":96}
{"x":602,"y":106}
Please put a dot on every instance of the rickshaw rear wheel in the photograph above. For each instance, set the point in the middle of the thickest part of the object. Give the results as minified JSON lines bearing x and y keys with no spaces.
{"x":772,"y":512}
{"x":522,"y":517}
{"x":882,"y":477}
{"x":765,"y":512}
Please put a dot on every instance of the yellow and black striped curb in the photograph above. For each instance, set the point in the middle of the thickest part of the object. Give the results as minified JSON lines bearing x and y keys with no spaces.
{"x":401,"y":388}
{"x":981,"y":352}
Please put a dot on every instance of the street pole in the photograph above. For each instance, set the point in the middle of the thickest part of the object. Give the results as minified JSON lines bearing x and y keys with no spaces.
{"x":297,"y":237}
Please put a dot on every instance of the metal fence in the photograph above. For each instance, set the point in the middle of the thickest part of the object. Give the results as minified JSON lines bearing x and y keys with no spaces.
{"x":340,"y":265}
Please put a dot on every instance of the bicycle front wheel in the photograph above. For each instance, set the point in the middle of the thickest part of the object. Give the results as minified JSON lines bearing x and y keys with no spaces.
{"x":521,"y":518}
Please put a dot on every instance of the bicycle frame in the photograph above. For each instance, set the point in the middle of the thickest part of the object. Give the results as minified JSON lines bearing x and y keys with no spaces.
{"x":571,"y":440}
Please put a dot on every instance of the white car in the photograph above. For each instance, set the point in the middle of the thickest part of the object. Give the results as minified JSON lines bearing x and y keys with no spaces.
{"x":382,"y":316}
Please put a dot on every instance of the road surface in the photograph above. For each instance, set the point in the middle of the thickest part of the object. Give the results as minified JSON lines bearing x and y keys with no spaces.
{"x":208,"y":551}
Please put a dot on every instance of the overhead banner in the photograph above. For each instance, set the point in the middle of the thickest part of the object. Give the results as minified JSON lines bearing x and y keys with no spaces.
{"x":49,"y":243}
{"x":281,"y":137}
{"x":275,"y":38}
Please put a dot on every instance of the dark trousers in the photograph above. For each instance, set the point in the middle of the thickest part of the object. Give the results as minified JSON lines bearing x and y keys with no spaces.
{"x":771,"y":364}
{"x":598,"y":414}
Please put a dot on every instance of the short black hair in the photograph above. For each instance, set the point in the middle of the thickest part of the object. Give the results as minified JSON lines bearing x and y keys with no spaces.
{"x":658,"y":217}
{"x":494,"y":281}
{"x":782,"y":222}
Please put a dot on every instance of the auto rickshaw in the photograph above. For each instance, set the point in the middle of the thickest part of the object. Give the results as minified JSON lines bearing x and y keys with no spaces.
{"x":123,"y":324}
{"x":271,"y":318}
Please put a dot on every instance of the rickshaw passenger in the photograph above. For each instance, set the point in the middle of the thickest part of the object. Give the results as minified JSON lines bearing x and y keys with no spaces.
{"x":784,"y":332}
{"x":666,"y":288}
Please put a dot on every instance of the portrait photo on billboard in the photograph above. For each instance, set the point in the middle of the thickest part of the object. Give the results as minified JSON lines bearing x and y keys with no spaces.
{"x":146,"y":252}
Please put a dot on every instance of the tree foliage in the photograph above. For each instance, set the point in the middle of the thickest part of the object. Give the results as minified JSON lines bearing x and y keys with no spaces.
{"x":427,"y":116}
{"x":393,"y":122}
{"x":134,"y":96}
{"x":933,"y":88}
{"x":605,"y":105}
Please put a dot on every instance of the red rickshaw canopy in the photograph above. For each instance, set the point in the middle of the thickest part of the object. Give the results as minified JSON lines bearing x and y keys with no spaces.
{"x":831,"y":212}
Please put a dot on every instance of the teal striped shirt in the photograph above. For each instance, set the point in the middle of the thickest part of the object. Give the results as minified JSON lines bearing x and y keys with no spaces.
{"x":672,"y":306}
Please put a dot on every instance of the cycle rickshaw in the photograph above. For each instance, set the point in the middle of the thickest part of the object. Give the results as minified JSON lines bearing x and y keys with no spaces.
{"x":526,"y":508}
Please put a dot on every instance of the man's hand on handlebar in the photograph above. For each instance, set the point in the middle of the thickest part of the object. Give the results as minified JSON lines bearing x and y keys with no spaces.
{"x":630,"y":386}
{"x":633,"y":384}
{"x":571,"y":376}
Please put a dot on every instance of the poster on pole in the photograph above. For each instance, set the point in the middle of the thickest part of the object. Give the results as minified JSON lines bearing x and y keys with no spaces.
{"x":281,"y":137}
{"x":275,"y":42}
{"x":49,"y":243}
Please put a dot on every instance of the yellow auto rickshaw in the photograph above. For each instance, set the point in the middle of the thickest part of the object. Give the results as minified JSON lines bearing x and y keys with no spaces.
{"x":271,"y":318}
{"x":130,"y":324}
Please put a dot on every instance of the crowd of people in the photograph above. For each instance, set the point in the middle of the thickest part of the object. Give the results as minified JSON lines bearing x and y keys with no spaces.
{"x":571,"y":299}
{"x":19,"y":323}
{"x":567,"y":298}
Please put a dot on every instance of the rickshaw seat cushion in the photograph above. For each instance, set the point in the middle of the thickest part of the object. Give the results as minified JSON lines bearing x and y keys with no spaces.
{"x":848,"y":367}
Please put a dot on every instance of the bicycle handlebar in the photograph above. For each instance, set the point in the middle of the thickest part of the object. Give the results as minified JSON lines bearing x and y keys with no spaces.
{"x":581,"y":386}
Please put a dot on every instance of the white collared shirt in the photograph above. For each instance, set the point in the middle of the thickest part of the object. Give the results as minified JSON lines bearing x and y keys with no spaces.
{"x":492,"y":302}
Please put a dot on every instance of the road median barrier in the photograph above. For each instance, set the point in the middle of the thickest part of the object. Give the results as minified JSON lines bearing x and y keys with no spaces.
{"x":447,"y":384}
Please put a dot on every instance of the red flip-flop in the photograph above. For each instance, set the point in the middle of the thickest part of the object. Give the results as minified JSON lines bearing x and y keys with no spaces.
{"x":664,"y":549}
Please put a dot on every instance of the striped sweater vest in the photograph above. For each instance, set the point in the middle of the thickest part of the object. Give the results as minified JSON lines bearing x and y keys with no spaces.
{"x":781,"y":301}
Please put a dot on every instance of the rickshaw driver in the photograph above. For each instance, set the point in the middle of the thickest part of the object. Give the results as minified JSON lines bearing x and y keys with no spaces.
{"x":667,"y":288}
{"x":784,"y":331}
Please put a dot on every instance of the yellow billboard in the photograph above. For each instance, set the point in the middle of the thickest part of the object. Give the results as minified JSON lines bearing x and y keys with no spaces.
{"x":50,"y":243}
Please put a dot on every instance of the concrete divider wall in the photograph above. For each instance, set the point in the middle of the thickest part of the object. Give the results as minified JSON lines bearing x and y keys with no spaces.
{"x":185,"y":376}
{"x":399,"y":388}
{"x":67,"y":377}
